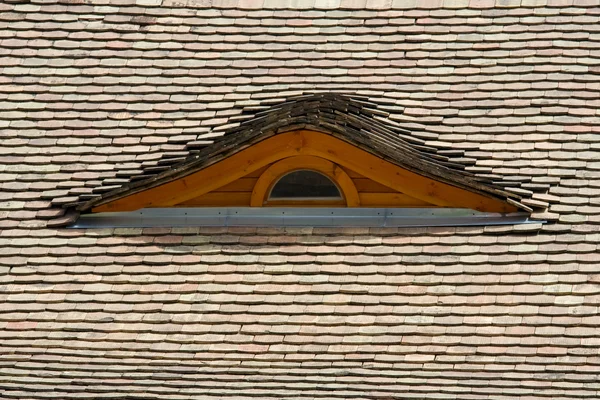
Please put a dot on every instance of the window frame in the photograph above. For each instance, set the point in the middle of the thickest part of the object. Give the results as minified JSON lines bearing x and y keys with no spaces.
{"x":272,"y":175}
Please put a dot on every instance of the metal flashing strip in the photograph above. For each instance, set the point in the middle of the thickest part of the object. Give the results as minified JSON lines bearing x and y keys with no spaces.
{"x":315,"y":217}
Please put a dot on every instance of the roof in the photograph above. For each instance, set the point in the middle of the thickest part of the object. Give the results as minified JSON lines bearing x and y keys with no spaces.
{"x":93,"y":95}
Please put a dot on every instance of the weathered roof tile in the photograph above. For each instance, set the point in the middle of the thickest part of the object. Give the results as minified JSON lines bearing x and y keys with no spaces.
{"x":92,"y":94}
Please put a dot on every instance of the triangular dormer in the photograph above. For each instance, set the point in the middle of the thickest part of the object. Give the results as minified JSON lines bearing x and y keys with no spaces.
{"x":324,"y":150}
{"x":244,"y":176}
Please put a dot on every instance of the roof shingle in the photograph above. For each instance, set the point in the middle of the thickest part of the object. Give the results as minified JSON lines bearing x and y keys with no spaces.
{"x":92,"y":95}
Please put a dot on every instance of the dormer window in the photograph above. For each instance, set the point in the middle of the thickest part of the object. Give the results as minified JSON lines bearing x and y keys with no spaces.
{"x":302,"y":177}
{"x":245,"y":177}
{"x":304,"y":185}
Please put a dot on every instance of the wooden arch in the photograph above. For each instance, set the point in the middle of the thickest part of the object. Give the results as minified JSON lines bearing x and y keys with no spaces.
{"x":268,"y":178}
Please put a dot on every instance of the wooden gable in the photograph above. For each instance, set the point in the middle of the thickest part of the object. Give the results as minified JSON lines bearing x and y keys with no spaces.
{"x":239,"y":193}
{"x":366,"y":179}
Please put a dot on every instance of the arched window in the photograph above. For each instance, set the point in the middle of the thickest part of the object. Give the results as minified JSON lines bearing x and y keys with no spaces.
{"x":305,"y":185}
{"x":304,"y":181}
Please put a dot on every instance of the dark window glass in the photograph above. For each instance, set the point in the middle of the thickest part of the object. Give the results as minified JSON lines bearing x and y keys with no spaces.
{"x":305,"y":184}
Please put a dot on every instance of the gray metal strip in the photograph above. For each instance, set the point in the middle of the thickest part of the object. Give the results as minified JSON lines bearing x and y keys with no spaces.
{"x":317,"y":217}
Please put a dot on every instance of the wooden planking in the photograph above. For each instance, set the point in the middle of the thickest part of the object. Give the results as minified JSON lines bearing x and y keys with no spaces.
{"x":219,"y":199}
{"x":239,"y":199}
{"x":362,"y":185}
{"x":212,"y":176}
{"x":234,"y":194}
{"x":353,"y":174}
{"x":391,"y":200}
{"x":366,"y":185}
{"x":403,"y":180}
{"x":306,"y":203}
{"x":237,"y":194}
{"x":246,"y":184}
{"x":305,"y":143}
{"x":240,"y":185}
{"x":258,"y":172}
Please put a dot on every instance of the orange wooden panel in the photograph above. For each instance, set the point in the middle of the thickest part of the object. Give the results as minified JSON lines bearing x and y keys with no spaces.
{"x":306,"y":143}
{"x":391,"y":200}
{"x":371,"y":194}
{"x":219,"y":199}
{"x":305,"y":203}
{"x":212,"y":176}
{"x":257,"y":173}
{"x":352,"y":174}
{"x":365,"y":185}
{"x":240,"y":185}
{"x":405,"y":181}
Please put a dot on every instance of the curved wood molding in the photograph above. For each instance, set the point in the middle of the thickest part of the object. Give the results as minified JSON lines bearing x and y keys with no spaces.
{"x":305,"y":143}
{"x":266,"y":181}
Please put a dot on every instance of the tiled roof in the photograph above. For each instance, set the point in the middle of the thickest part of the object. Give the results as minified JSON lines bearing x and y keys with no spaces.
{"x":92,"y":95}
